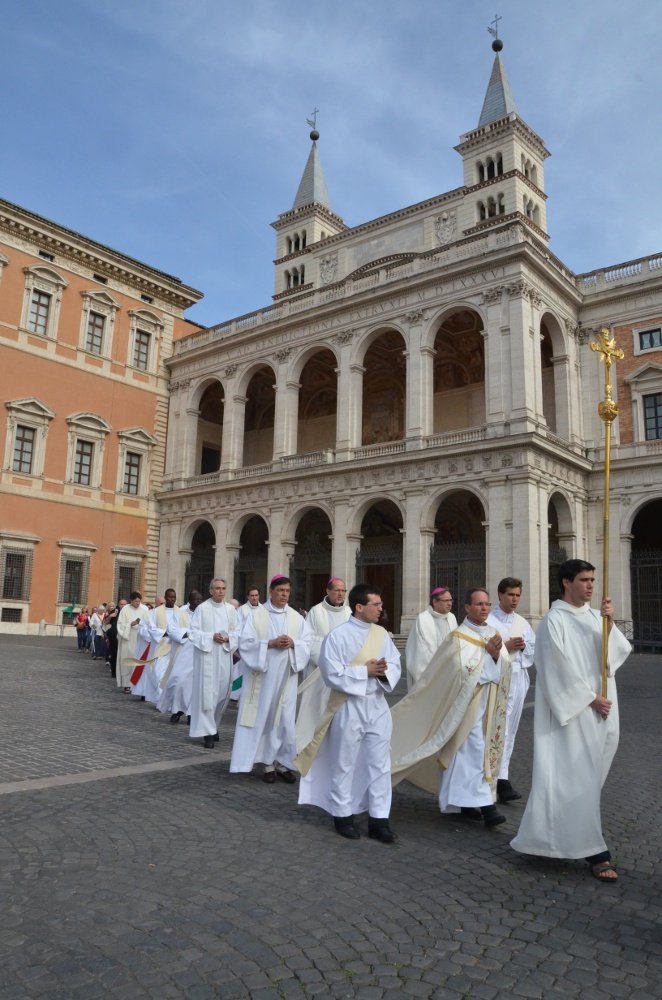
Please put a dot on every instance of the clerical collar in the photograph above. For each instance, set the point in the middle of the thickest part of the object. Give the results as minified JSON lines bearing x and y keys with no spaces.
{"x":439,"y":614}
{"x":480,"y":629}
{"x":275,"y":611}
{"x":363,"y":625}
{"x":333,"y":607}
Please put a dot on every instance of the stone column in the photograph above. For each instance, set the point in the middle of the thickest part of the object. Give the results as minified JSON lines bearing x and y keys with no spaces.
{"x":530,"y":556}
{"x":419,"y":384}
{"x":168,"y":564}
{"x":523,"y":350}
{"x":232,"y":447}
{"x":286,"y":409}
{"x":415,"y":558}
{"x":349,"y":399}
{"x":223,"y":557}
{"x":497,"y":361}
{"x":344,"y":545}
{"x":281,"y":550}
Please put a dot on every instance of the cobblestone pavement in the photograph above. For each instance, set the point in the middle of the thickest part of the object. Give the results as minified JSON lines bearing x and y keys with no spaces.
{"x":135,"y":866}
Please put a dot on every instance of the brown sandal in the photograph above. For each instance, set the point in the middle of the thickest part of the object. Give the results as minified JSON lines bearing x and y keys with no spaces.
{"x":599,"y":871}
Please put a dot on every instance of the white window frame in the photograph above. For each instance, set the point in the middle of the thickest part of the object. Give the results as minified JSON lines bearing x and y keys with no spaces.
{"x":79,"y":551}
{"x":645,"y":381}
{"x":98,"y":302}
{"x":32,"y":413}
{"x":48,"y":281}
{"x":94,"y":429}
{"x":3,"y":264}
{"x":12,"y":541}
{"x":127,"y":556}
{"x":138,"y":440}
{"x":644,"y":328}
{"x":148,"y":322}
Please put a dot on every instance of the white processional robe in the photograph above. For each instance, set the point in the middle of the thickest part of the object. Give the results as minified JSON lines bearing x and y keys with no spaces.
{"x":512,"y":626}
{"x":452,"y":722}
{"x":177,"y":682}
{"x":154,"y":632}
{"x":128,"y":642}
{"x":573,"y":747}
{"x":351,"y":769}
{"x":244,"y":612}
{"x":426,"y":636}
{"x":322,"y":619}
{"x":267,"y":706}
{"x":212,"y":664}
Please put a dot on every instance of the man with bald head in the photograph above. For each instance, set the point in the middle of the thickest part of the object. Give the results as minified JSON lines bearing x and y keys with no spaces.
{"x":214,"y":634}
{"x":333,"y":610}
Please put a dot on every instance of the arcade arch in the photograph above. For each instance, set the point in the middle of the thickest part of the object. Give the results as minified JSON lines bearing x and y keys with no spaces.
{"x":200,"y":568}
{"x":210,"y":430}
{"x":318,"y":394}
{"x":379,"y":557}
{"x":310,"y":567}
{"x":560,"y":539}
{"x":259,"y":417}
{"x":646,"y":576}
{"x":457,"y":556}
{"x":459,"y":372}
{"x":250,"y":567}
{"x":384,"y":389}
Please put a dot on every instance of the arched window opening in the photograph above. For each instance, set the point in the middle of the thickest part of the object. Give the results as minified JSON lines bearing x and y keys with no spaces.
{"x":457,"y":556}
{"x":317,"y":403}
{"x":491,"y":208}
{"x":547,"y":372}
{"x":379,"y":558}
{"x":303,"y":240}
{"x":646,"y":577}
{"x":482,"y":214}
{"x":250,"y":567}
{"x":297,"y":242}
{"x":481,"y":171}
{"x":288,"y":279}
{"x":288,"y":243}
{"x":259,"y":418}
{"x":501,"y":204}
{"x":384,"y":388}
{"x":459,"y":373}
{"x":490,"y":168}
{"x":311,"y":567}
{"x":499,"y":165}
{"x":200,"y":567}
{"x":210,"y":430}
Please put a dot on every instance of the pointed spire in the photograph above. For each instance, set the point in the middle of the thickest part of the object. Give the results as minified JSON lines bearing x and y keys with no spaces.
{"x":312,"y":189}
{"x":499,"y":101}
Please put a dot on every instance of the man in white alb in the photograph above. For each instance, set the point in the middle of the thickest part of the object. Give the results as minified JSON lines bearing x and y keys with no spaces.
{"x":128,"y":655}
{"x":454,"y":718}
{"x":575,"y":728}
{"x":213,"y":632}
{"x":428,"y":632}
{"x":252,"y":602}
{"x":274,"y":647}
{"x":520,"y":641}
{"x":324,"y":617}
{"x":177,"y":682}
{"x":154,"y":632}
{"x":346,"y":767}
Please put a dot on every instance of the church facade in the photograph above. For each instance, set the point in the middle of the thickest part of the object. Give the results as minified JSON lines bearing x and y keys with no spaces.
{"x":418,"y":405}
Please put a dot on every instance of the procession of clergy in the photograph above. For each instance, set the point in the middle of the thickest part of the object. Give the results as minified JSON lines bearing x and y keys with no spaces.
{"x":311,"y":695}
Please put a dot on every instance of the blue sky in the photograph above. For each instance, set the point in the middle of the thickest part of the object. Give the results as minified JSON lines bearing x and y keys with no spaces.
{"x":175,"y":130}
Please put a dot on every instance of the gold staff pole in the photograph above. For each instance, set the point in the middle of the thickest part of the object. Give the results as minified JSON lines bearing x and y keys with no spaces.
{"x":608,"y":411}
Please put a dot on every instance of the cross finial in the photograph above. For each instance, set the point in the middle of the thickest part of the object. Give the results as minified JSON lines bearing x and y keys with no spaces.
{"x":493,"y":27}
{"x":606,"y":345}
{"x":312,"y":121}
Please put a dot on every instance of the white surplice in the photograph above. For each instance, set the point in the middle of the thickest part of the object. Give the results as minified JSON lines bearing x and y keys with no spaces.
{"x":212,"y":664}
{"x":426,"y":636}
{"x":128,"y":642}
{"x":573,"y":747}
{"x":511,"y":626}
{"x":322,"y":619}
{"x":269,"y":736}
{"x":153,"y":631}
{"x":177,"y":684}
{"x":352,"y":769}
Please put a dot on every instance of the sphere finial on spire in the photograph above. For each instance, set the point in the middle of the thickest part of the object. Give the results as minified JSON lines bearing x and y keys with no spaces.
{"x":312,"y":121}
{"x":493,"y":28}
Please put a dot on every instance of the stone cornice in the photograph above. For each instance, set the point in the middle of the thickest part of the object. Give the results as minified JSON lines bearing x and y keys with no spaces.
{"x":72,"y":246}
{"x":492,"y":181}
{"x":296,"y":214}
{"x":487,"y":133}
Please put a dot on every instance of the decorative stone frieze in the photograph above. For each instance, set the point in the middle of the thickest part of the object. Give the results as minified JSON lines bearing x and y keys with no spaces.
{"x":445,"y":227}
{"x":329,"y":268}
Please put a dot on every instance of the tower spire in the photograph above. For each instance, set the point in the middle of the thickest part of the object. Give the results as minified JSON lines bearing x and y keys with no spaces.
{"x":312,"y":189}
{"x":499,"y":101}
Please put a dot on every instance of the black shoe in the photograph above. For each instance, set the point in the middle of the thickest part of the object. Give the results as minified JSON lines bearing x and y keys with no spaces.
{"x":506,"y":792}
{"x":188,"y":720}
{"x":491,"y":817}
{"x":469,"y":813}
{"x":175,"y":717}
{"x":379,"y":830}
{"x":345,"y":827}
{"x":208,"y":742}
{"x":287,"y":776}
{"x":269,"y":777}
{"x":216,"y":738}
{"x":142,"y":697}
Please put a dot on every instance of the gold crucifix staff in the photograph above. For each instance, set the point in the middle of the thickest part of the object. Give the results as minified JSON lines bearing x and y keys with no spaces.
{"x":608,"y":411}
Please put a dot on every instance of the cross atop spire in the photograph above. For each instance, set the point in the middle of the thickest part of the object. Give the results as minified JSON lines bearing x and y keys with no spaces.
{"x":312,"y":189}
{"x":499,"y":101}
